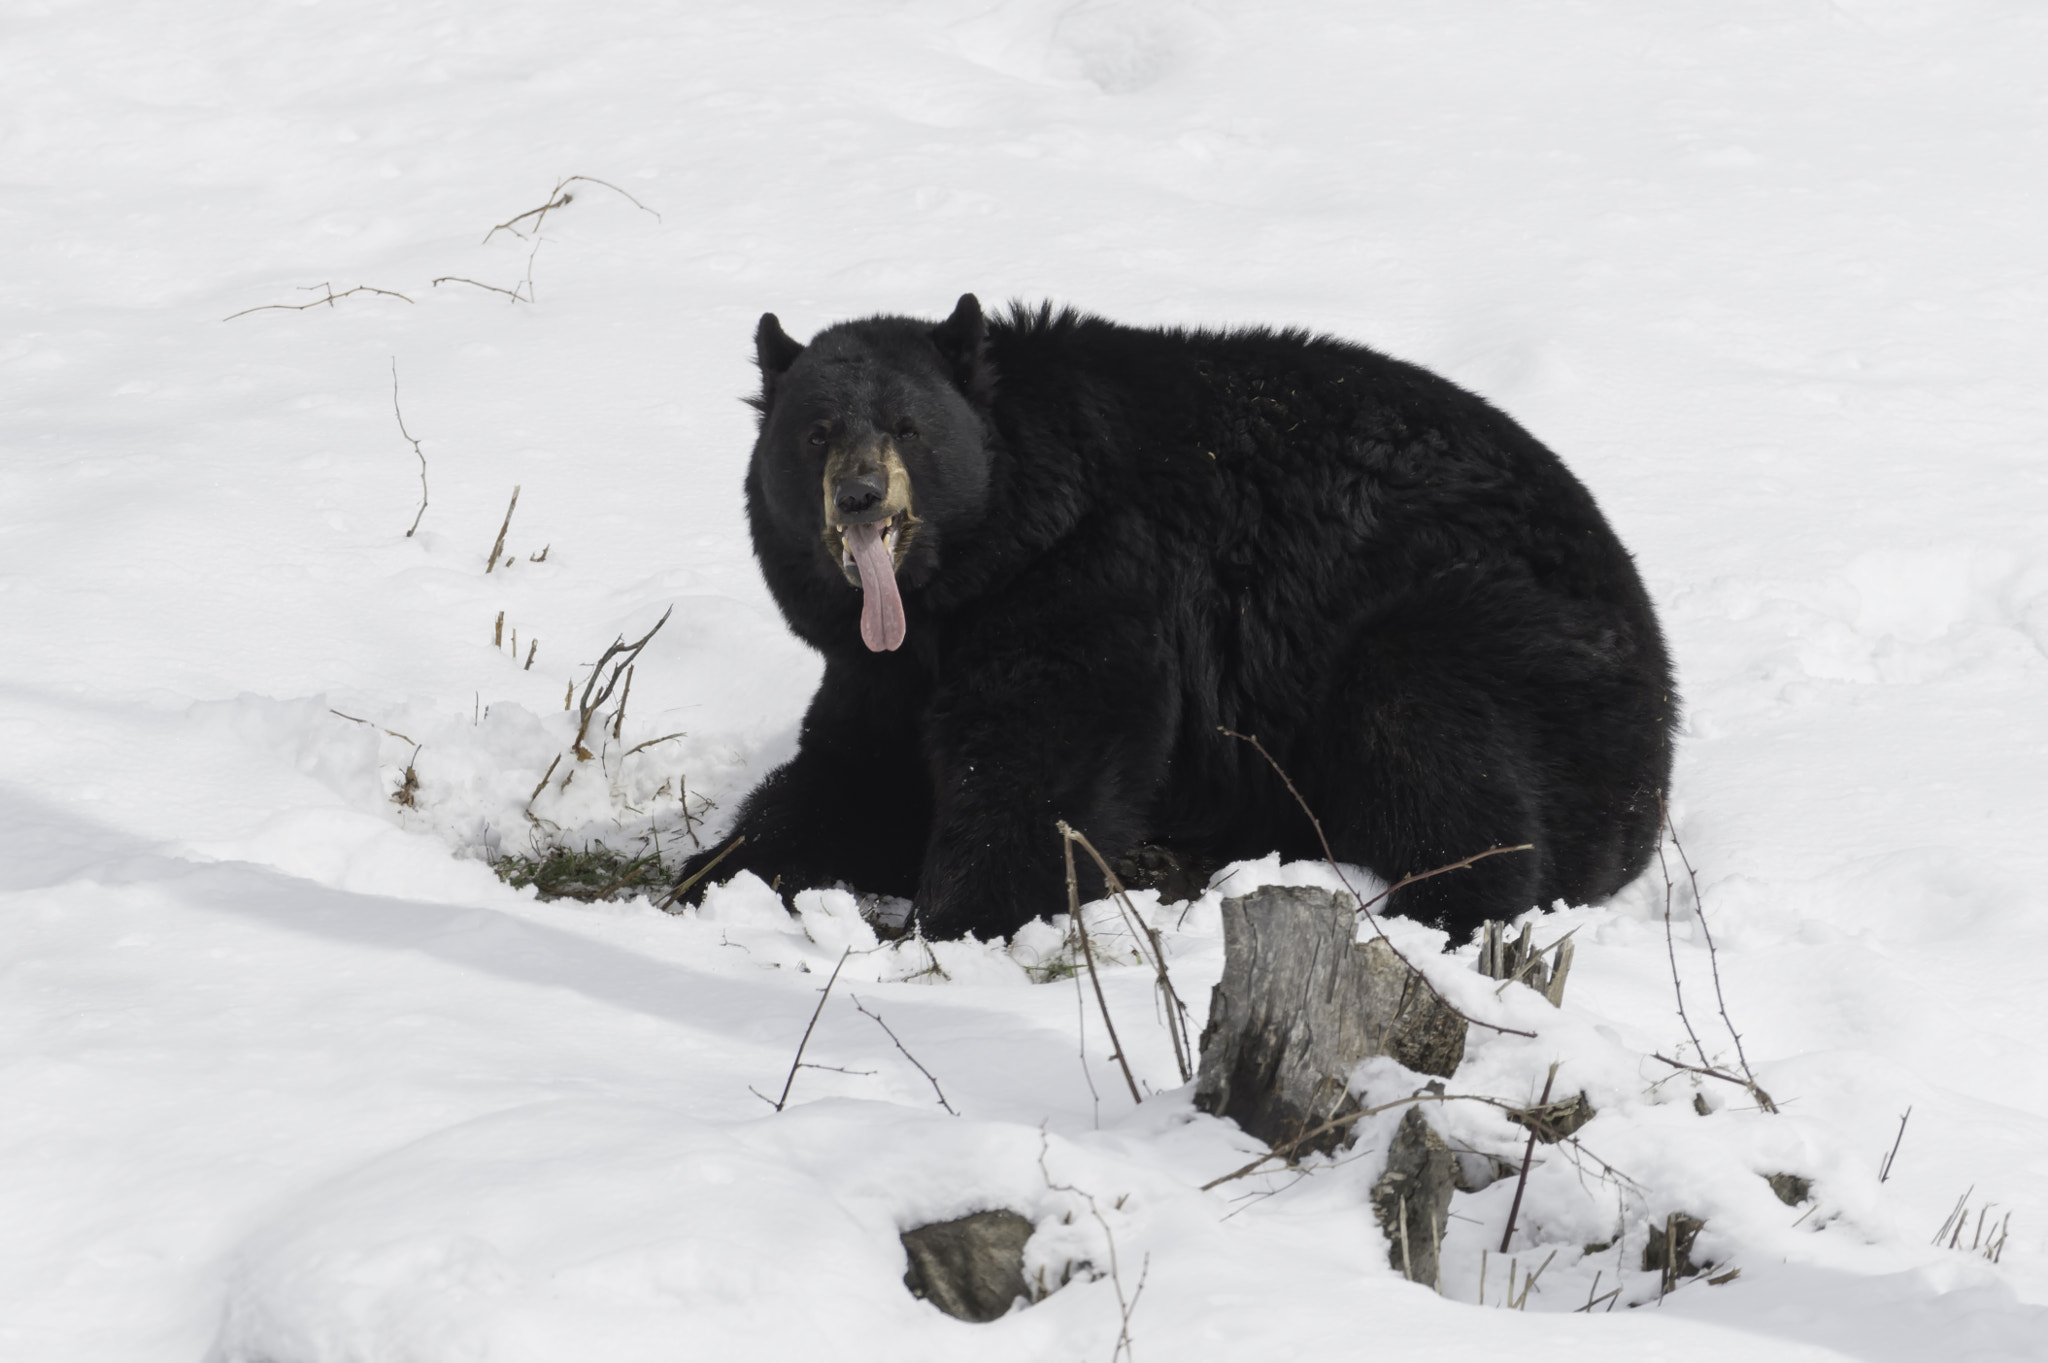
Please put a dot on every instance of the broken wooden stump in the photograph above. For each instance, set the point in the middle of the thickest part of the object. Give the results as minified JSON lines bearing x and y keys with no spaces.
{"x":1301,"y":1002}
{"x":1669,"y":1250}
{"x":1412,"y":1200}
{"x":971,"y":1268}
{"x":1503,"y":958}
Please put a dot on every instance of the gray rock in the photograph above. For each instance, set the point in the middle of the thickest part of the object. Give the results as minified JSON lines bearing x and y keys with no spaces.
{"x":1790,"y":1188}
{"x":1413,"y":1198}
{"x":972,"y":1268}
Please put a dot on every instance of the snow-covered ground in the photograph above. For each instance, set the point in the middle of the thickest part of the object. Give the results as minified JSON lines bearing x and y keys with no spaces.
{"x":287,"y":1074}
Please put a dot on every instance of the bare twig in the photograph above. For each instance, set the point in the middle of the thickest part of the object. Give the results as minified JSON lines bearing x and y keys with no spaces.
{"x":498,"y":547}
{"x":1125,"y":1305}
{"x":543,"y":784}
{"x":619,"y":715}
{"x":1144,"y":934}
{"x":330,"y":298}
{"x":1748,"y":1081}
{"x":637,"y":747}
{"x":1699,"y":909}
{"x":557,"y":199}
{"x":905,"y":1049}
{"x":532,"y":647}
{"x":626,"y":655}
{"x":1286,"y":1149}
{"x":1884,"y":1171}
{"x":415,"y":449}
{"x":1528,"y":1155}
{"x":378,"y":727}
{"x":1088,"y":956}
{"x":779,"y":1103}
{"x":1365,"y":905}
{"x":512,"y":294}
{"x":684,"y":888}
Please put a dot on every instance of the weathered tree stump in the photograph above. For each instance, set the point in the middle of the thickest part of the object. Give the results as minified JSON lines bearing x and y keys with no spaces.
{"x":1504,"y":958}
{"x":972,"y":1268}
{"x":1412,"y":1199}
{"x":1669,"y":1250}
{"x":1300,"y":1004}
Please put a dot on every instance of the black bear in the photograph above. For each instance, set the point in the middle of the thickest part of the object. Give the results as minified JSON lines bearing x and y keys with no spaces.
{"x":1049,"y":560}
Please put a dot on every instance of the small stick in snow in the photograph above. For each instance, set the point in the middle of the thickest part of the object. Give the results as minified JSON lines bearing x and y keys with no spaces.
{"x":1088,"y":956}
{"x":498,"y":548}
{"x":1699,"y":909}
{"x":1365,"y":905}
{"x":557,"y":199}
{"x":498,"y":632}
{"x":395,"y":411}
{"x":796,"y":1064}
{"x":637,"y":747}
{"x":593,"y":698}
{"x":1884,"y":1171}
{"x":1144,"y":934}
{"x":1763,"y":1100}
{"x":543,"y":782}
{"x":1125,"y":1305}
{"x":329,"y":299}
{"x":378,"y":727}
{"x":512,"y":294}
{"x":1521,"y":1183}
{"x":901,"y":1047}
{"x":705,"y":870}
{"x":532,"y":647}
{"x":619,"y":715}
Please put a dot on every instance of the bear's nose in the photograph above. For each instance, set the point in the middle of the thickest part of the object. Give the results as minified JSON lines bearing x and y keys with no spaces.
{"x":858,"y":497}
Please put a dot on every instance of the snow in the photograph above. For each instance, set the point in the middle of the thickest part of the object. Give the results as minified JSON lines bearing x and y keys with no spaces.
{"x":290,"y":1075}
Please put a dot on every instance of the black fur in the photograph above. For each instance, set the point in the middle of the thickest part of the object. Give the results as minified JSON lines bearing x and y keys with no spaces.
{"x":1131,"y":538}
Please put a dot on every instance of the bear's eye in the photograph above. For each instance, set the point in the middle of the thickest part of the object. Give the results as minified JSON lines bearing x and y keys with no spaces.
{"x":906,"y":430}
{"x":818,"y":437}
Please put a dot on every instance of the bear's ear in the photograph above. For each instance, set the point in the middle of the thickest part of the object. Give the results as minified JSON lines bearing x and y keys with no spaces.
{"x":962,"y":340}
{"x":773,"y":350}
{"x":775,"y":353}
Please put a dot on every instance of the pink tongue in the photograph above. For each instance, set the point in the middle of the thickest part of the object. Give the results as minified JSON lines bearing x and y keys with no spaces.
{"x":881,"y":609}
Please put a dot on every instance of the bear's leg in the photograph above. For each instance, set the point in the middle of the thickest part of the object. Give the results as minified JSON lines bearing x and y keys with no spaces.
{"x":1422,"y":763}
{"x":1049,"y":724}
{"x":853,"y":805}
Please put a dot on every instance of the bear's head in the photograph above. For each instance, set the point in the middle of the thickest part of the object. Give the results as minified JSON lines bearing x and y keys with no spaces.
{"x":873,"y":456}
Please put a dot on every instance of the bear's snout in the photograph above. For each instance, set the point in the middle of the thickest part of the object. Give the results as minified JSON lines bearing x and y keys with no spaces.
{"x":861,"y":497}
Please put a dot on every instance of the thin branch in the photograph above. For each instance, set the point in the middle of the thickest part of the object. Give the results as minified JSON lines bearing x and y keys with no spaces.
{"x":1088,"y":957}
{"x":395,"y":411}
{"x":684,"y":887}
{"x":905,"y":1049}
{"x":512,"y":294}
{"x":1763,"y":1100}
{"x":1144,"y":933}
{"x":1521,"y":1183}
{"x":498,"y":548}
{"x":1365,"y":905}
{"x":1699,"y":909}
{"x":543,"y":784}
{"x":329,"y":299}
{"x":557,"y":199}
{"x":627,"y":654}
{"x":378,"y":727}
{"x":637,"y":747}
{"x":619,"y":715}
{"x":796,"y":1064}
{"x":1884,"y":1171}
{"x":1286,"y":1149}
{"x":1125,"y":1305}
